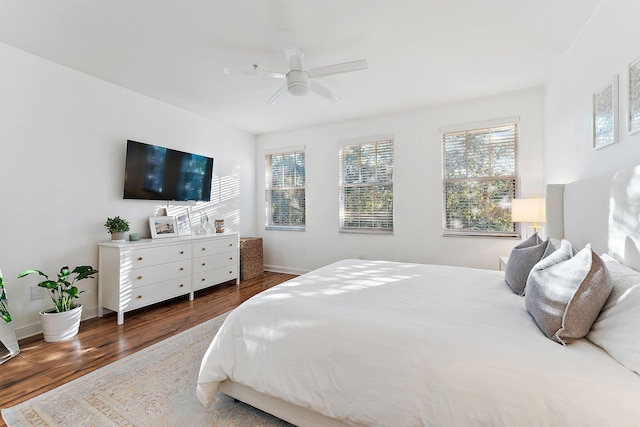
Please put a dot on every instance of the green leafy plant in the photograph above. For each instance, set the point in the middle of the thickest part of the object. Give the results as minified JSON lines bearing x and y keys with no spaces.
{"x":117,"y":225}
{"x":4,"y":309}
{"x":64,"y":291}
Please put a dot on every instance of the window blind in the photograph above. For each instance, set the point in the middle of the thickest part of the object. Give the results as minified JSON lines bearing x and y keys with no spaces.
{"x":366,"y":187}
{"x":285,"y":190}
{"x":479,"y":181}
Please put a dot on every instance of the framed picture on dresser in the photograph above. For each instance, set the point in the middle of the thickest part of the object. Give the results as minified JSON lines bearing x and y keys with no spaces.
{"x":163,"y":226}
{"x":183,"y":223}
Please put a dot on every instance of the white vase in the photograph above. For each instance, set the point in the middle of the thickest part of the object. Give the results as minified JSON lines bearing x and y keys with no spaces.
{"x":8,"y":342}
{"x":61,"y":326}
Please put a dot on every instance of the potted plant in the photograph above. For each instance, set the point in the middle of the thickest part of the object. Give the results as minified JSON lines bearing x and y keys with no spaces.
{"x":8,"y":339}
{"x":63,"y":320}
{"x":117,"y":227}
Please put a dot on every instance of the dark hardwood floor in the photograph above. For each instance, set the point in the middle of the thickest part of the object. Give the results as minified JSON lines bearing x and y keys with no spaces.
{"x":42,"y":366}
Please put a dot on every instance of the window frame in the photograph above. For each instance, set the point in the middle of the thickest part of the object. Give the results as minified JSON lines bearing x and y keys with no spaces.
{"x":342,"y":186}
{"x":269,"y":188}
{"x":481,"y":127}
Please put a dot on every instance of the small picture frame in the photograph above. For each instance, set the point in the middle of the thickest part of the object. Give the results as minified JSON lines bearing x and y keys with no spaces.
{"x":633,"y":118}
{"x":163,"y":226}
{"x":183,"y":222}
{"x":605,"y":115}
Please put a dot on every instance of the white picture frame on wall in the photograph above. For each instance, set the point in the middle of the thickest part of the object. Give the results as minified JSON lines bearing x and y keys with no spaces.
{"x":633,"y":113}
{"x":605,"y":115}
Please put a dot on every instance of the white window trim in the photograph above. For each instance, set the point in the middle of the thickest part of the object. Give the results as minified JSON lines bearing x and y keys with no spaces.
{"x":355,"y":141}
{"x":492,"y":123}
{"x":283,"y":150}
{"x":468,"y":127}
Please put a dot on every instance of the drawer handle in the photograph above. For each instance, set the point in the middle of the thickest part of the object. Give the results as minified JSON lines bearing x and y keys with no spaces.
{"x":139,"y":277}
{"x":203,"y":264}
{"x":181,"y":285}
{"x":181,"y":268}
{"x":139,"y":258}
{"x":181,"y":252}
{"x":139,"y":296}
{"x":230,"y":272}
{"x":230,"y":258}
{"x":202,"y":280}
{"x":204,"y":249}
{"x":230,"y":244}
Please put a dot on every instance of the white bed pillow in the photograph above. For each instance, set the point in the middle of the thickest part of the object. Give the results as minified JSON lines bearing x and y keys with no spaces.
{"x":617,"y":329}
{"x":566,"y":292}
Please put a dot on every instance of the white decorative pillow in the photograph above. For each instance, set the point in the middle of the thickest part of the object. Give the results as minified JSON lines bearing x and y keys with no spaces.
{"x":565,"y":293}
{"x":617,"y":329}
{"x":522,"y":259}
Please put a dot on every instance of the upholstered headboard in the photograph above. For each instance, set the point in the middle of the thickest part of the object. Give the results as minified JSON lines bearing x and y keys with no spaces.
{"x":602,"y":210}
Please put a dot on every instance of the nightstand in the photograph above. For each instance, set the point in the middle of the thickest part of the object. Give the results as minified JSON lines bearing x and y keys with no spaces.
{"x":502,"y":262}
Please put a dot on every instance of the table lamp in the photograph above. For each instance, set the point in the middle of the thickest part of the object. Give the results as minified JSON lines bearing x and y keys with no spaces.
{"x":528,"y":210}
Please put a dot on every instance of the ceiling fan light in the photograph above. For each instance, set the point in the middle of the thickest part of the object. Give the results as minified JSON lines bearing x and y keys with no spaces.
{"x":298,"y":89}
{"x":298,"y":82}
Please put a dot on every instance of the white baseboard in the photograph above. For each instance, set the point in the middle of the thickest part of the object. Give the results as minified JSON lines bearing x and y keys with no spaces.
{"x":286,"y":270}
{"x":36,"y":328}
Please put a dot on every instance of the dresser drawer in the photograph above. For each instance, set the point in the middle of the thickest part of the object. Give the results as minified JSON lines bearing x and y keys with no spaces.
{"x":156,"y":292}
{"x":213,"y":261}
{"x":156,"y":273}
{"x":213,"y":277}
{"x":154,"y":256}
{"x":217,"y":246}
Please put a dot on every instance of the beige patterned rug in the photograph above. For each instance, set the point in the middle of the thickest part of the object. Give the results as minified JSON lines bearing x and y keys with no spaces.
{"x":153,"y":387}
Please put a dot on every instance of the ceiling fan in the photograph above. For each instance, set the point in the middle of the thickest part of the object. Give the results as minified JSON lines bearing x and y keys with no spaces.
{"x":300,"y":81}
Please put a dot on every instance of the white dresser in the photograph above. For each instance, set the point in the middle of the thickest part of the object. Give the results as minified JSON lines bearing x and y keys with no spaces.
{"x":136,"y":274}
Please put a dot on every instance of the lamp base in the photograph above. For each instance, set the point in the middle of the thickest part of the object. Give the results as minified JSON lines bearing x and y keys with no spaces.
{"x":529,"y":231}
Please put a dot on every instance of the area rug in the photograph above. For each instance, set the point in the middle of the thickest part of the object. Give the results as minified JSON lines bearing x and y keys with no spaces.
{"x":153,"y":387}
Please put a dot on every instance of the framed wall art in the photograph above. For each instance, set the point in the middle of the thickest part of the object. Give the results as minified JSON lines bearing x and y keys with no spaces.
{"x":633,"y":118}
{"x":605,"y":115}
{"x":163,"y":226}
{"x":183,"y":222}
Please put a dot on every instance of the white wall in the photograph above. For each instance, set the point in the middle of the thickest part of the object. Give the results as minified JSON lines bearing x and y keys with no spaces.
{"x":417,"y":187}
{"x":606,"y":46}
{"x":63,"y":136}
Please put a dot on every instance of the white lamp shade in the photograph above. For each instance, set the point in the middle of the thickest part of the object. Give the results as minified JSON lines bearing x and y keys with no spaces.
{"x":528,"y":210}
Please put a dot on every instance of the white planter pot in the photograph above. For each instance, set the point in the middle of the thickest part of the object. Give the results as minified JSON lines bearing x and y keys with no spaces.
{"x":118,"y":237}
{"x":61,"y":326}
{"x":8,"y":342}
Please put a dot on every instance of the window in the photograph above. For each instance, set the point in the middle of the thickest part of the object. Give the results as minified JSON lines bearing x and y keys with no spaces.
{"x":285,"y":190}
{"x":480,"y":180}
{"x":366,"y":187}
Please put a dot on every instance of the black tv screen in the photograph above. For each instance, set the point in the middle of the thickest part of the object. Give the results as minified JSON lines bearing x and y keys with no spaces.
{"x":158,"y":173}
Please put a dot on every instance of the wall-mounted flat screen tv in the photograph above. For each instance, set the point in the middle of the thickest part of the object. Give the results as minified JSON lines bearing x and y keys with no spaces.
{"x":158,"y":173}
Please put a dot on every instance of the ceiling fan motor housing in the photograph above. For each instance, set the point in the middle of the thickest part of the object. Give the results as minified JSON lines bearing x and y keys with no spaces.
{"x":298,"y":82}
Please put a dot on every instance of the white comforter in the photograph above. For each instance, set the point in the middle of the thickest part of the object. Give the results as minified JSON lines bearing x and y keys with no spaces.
{"x":397,"y":344}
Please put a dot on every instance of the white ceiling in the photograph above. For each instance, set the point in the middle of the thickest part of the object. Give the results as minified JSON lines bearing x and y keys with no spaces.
{"x":420,"y":52}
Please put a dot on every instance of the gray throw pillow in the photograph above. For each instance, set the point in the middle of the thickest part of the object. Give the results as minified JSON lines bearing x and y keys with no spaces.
{"x":522,"y":259}
{"x":566,"y":292}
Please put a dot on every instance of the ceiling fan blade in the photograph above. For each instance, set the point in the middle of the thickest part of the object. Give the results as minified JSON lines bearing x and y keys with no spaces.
{"x":324,"y":92}
{"x":278,"y":95}
{"x":255,"y":72}
{"x":338,"y":68}
{"x":291,"y":52}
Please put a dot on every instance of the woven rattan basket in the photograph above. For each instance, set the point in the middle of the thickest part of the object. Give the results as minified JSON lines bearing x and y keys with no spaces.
{"x":251,"y":260}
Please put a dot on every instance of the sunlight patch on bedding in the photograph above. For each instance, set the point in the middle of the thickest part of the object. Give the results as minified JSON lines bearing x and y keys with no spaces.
{"x":343,"y":279}
{"x":257,"y":338}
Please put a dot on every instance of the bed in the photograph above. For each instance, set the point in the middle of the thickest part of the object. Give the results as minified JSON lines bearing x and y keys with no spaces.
{"x":379,"y":343}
